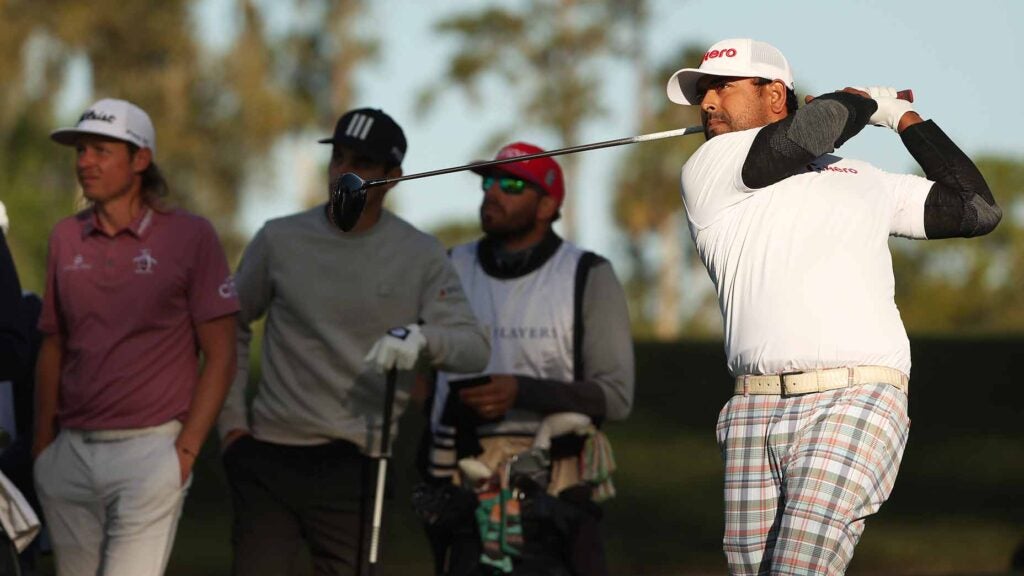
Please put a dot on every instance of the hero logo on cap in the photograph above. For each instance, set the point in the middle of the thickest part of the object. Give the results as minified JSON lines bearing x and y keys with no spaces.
{"x":727,"y":53}
{"x":113,"y":118}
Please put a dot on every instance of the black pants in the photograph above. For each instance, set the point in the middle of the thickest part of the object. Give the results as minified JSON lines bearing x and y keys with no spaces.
{"x":9,"y":565}
{"x":288,"y":496}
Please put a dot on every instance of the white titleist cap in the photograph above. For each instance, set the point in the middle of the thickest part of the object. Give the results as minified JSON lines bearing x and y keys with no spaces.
{"x":114,"y":118}
{"x":741,"y":57}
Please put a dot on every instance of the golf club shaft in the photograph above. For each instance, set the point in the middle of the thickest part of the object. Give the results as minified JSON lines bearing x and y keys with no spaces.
{"x":545,"y":154}
{"x":378,"y":509}
{"x":907,"y":95}
{"x":382,"y":463}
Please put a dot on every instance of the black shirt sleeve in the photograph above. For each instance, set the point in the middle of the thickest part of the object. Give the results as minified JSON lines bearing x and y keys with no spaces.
{"x":960,"y":204}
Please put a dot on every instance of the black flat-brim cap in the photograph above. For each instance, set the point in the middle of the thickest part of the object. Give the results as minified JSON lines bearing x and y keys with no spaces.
{"x":371,"y":132}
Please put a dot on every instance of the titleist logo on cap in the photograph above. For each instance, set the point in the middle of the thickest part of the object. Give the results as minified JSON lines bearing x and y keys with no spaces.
{"x":93,"y":115}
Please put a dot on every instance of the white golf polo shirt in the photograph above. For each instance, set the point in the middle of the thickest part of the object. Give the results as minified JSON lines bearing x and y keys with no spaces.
{"x":802,"y":267}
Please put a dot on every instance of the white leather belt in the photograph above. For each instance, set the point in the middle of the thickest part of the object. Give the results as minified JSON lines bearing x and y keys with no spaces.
{"x":820,"y":380}
{"x":92,"y":436}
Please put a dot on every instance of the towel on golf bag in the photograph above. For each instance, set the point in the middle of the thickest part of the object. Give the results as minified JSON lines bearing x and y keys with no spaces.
{"x":597,"y":463}
{"x":17,"y":518}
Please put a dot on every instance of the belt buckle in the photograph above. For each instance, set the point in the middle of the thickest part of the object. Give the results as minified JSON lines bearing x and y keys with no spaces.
{"x":784,"y":387}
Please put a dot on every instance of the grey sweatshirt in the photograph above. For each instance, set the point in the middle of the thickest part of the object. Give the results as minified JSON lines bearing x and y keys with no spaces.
{"x":328,"y":297}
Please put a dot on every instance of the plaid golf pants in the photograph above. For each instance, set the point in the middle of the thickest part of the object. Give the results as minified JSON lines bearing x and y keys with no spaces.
{"x":803,"y":472}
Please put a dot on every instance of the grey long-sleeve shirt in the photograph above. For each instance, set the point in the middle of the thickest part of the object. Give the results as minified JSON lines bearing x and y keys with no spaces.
{"x":328,"y":297}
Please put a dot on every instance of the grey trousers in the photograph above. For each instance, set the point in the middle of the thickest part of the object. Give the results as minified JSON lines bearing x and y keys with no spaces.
{"x":111,"y":506}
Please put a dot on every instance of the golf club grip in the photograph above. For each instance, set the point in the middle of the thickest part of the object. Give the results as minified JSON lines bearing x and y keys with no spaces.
{"x":907,"y":95}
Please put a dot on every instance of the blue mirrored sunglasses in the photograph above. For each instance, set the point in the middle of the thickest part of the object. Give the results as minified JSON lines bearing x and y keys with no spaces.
{"x":513,"y":186}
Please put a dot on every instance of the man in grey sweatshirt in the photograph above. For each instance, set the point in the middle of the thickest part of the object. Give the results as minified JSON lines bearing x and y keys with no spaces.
{"x":298,"y":459}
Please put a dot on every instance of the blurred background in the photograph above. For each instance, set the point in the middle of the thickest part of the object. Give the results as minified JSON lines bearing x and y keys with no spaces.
{"x":239,"y":91}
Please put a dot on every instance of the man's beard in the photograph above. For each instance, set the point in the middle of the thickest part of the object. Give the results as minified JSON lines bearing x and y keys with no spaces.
{"x":506,"y":233}
{"x":510,"y":229}
{"x":706,"y":120}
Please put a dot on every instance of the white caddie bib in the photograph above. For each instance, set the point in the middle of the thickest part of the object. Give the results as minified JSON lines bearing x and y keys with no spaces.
{"x":530,"y":320}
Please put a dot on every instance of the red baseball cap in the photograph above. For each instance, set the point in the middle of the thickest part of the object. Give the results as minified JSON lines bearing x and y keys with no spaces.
{"x":544,"y":173}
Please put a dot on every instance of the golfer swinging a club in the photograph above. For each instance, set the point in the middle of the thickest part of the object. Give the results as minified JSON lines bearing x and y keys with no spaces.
{"x":342,"y":308}
{"x":795,"y":241}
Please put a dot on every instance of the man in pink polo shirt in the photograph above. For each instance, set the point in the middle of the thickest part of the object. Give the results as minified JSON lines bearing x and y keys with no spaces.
{"x":134,"y":289}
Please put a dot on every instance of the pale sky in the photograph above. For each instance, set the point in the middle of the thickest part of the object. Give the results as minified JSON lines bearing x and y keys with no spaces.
{"x":964,"y":62}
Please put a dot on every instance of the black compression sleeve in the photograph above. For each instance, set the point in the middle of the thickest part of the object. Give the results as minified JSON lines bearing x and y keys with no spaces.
{"x":784,"y":148}
{"x":960,"y":203}
{"x":774,"y":156}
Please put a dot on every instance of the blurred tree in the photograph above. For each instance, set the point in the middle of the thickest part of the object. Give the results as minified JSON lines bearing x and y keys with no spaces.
{"x":548,"y":52}
{"x":218,"y":114}
{"x":457,"y":232}
{"x":35,"y":192}
{"x":321,"y":58}
{"x":969,"y":286}
{"x":648,"y":208}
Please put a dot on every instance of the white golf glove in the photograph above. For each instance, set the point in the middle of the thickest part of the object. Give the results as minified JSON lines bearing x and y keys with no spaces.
{"x":5,"y":224}
{"x":890,"y":108}
{"x":399,"y":348}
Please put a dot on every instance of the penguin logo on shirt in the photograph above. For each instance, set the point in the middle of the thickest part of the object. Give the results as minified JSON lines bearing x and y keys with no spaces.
{"x":144,"y":262}
{"x":78,"y":263}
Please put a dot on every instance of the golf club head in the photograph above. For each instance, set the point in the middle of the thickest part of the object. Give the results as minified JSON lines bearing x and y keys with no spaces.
{"x":348,"y":198}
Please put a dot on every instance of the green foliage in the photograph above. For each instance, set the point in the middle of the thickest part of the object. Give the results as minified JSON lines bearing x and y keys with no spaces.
{"x":547,"y":55}
{"x":457,"y":232}
{"x":648,"y":209}
{"x":969,"y":286}
{"x":217,"y":113}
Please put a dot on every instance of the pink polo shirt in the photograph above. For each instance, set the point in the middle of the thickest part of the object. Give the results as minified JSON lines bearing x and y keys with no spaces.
{"x":127,"y":306}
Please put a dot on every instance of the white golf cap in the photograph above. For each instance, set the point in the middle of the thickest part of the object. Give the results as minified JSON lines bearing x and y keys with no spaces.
{"x":114,"y":118}
{"x":741,"y":57}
